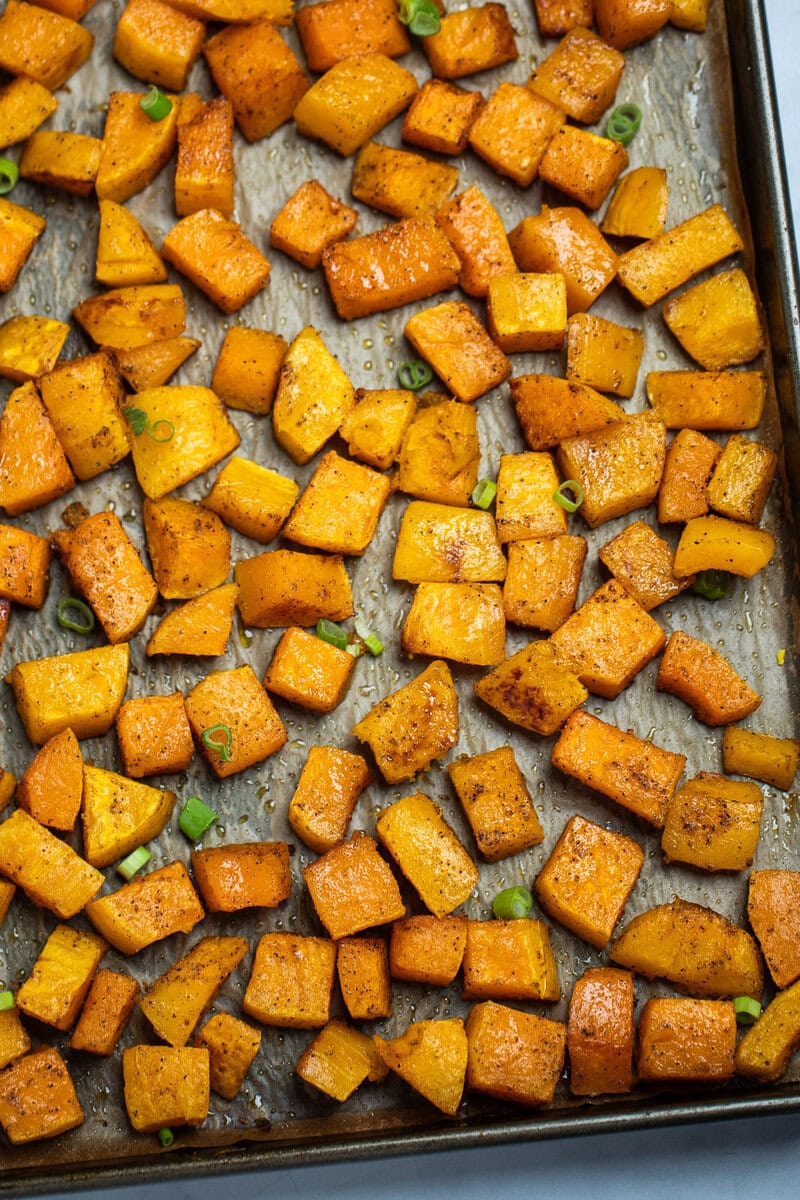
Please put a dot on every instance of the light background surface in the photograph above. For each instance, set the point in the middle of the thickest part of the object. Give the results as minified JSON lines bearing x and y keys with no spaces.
{"x":749,"y":1158}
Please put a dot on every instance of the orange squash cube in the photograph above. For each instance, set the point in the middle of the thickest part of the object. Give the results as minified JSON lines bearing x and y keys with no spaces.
{"x":189,"y":547}
{"x":46,"y":868}
{"x":37,"y":1096}
{"x":353,"y":100}
{"x":637,"y":449}
{"x":205,"y":172}
{"x":176,"y":1001}
{"x":24,"y":566}
{"x":764,"y":1052}
{"x":565,"y":241}
{"x":717,"y":321}
{"x":252,"y":499}
{"x":428,"y":949}
{"x":24,"y":106}
{"x":245,"y":875}
{"x":774,"y":915}
{"x":431,"y":1056}
{"x":84,"y":398}
{"x":583,"y":165}
{"x":525,"y":508}
{"x":329,"y":786}
{"x":474,"y":228}
{"x":603,"y":355}
{"x":472,"y":40}
{"x":53,"y":992}
{"x":551,"y":410}
{"x":580,"y":76}
{"x":541,"y":585}
{"x":309,"y":671}
{"x":311,"y":219}
{"x":689,"y":14}
{"x":52,"y":784}
{"x":341,"y":28}
{"x":759,"y":756}
{"x":232,"y":1045}
{"x":642,"y":562}
{"x":739,"y":487}
{"x":353,"y":888}
{"x":683,"y":1040}
{"x":127,"y":318}
{"x":600,"y":1033}
{"x":214,"y":253}
{"x":108,"y":1005}
{"x":557,"y":17}
{"x":699,"y":675}
{"x":441,"y":116}
{"x":535,"y":688}
{"x":134,"y":148}
{"x":514,"y":1056}
{"x":203,"y":435}
{"x":497,"y":803}
{"x":235,"y":699}
{"x":314,"y":395}
{"x":120,"y":814}
{"x":464,"y":622}
{"x":512,"y":131}
{"x":428,"y":853}
{"x":451,"y":338}
{"x":688,"y":466}
{"x":154,"y":735}
{"x":248,"y":367}
{"x":20,"y":229}
{"x":668,"y":260}
{"x":150,"y":908}
{"x":165,"y":1086}
{"x":157,"y":43}
{"x":375,"y":427}
{"x":527,"y":312}
{"x":362,"y":965}
{"x":340,"y":507}
{"x":400,"y":183}
{"x":44,"y":46}
{"x":626,"y":23}
{"x":57,"y":159}
{"x":440,"y":455}
{"x":283,"y":587}
{"x":509,"y":960}
{"x":340,"y":1058}
{"x":200,"y":627}
{"x":81,"y":690}
{"x":638,"y":208}
{"x":715,"y":543}
{"x":413,"y":726}
{"x":254,"y":68}
{"x":713,"y":823}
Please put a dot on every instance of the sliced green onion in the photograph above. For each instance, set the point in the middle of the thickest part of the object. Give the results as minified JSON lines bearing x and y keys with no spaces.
{"x":747,"y":1010}
{"x":329,"y":631}
{"x":134,"y":862}
{"x":370,"y":640}
{"x":166,"y":1137}
{"x":421,"y":17}
{"x":9,"y":174}
{"x":7,"y":1001}
{"x":139,"y":422}
{"x":155,"y":104}
{"x":561,"y":495}
{"x":484,"y":493}
{"x":72,"y":604}
{"x":712,"y":585}
{"x":355,"y":649}
{"x":512,"y":904}
{"x":624,"y":123}
{"x":221,"y":745}
{"x":414,"y":374}
{"x":196,"y":817}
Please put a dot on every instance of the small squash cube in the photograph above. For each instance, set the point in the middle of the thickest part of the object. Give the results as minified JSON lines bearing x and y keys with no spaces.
{"x":682,"y":1041}
{"x":14,"y":1039}
{"x":689,"y":14}
{"x":340,"y":1058}
{"x":134,"y":148}
{"x":550,"y":409}
{"x":671,"y":258}
{"x":464,"y":622}
{"x":565,"y":241}
{"x":24,"y":566}
{"x":47,"y":869}
{"x":189,"y":547}
{"x":314,"y":396}
{"x":472,"y":40}
{"x":44,"y":46}
{"x":699,"y":675}
{"x":157,"y":43}
{"x":29,"y":346}
{"x":525,"y":507}
{"x":218,"y":258}
{"x":638,"y":208}
{"x":283,"y":587}
{"x":108,"y":1005}
{"x":246,"y":875}
{"x":37,"y":1096}
{"x":309,"y":671}
{"x":53,"y":992}
{"x":717,"y":321}
{"x":631,"y":771}
{"x":57,"y":159}
{"x":200,"y":627}
{"x":339,"y":29}
{"x":24,"y":106}
{"x":120,"y":814}
{"x":541,"y":586}
{"x":362,"y":965}
{"x":512,"y":131}
{"x":557,"y":17}
{"x":248,"y":368}
{"x":252,"y":499}
{"x":205,"y":171}
{"x":715,"y":543}
{"x":413,"y":726}
{"x":603,"y":355}
{"x":691,"y":459}
{"x":177,"y":1000}
{"x":154,"y":735}
{"x":626,"y":23}
{"x":165,"y":1086}
{"x":497,"y":803}
{"x":527,"y":312}
{"x":428,"y":949}
{"x":329,"y":786}
{"x":514,"y":1056}
{"x":713,"y":823}
{"x":203,"y":435}
{"x":150,"y":908}
{"x":642,"y":562}
{"x":773,"y":910}
{"x":474,"y":228}
{"x":582,"y":164}
{"x":375,"y":427}
{"x":586,"y":881}
{"x":52,"y":784}
{"x":428,"y":853}
{"x":509,"y":960}
{"x":126,"y":254}
{"x":763,"y":1053}
{"x":618,"y":467}
{"x":84,"y":399}
{"x":353,"y":888}
{"x":535,"y":688}
{"x":440,"y":117}
{"x":580,"y":76}
{"x":451,"y":338}
{"x":600,"y":1033}
{"x":340,"y":507}
{"x":232,"y":1045}
{"x":311,"y":219}
{"x":81,"y":691}
{"x":353,"y":100}
{"x":440,"y":455}
{"x":237,"y":700}
{"x":758,"y":756}
{"x":400,"y":183}
{"x":20,"y":229}
{"x":739,"y":487}
{"x":254,"y":68}
{"x":431,"y":1056}
{"x":129,"y":317}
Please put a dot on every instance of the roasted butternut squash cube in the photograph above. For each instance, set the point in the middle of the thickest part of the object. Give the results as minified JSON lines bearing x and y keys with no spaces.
{"x":715,"y":543}
{"x":671,"y":258}
{"x":52,"y":784}
{"x":535,"y":688}
{"x":126,"y":254}
{"x":608,"y":640}
{"x":148,"y":909}
{"x":440,"y":455}
{"x":375,"y":427}
{"x":603,"y":355}
{"x":759,"y":756}
{"x":582,"y":164}
{"x":739,"y":487}
{"x":120,"y":814}
{"x":20,"y":229}
{"x":53,"y":992}
{"x":157,"y":43}
{"x":600,"y":1033}
{"x":254,"y":68}
{"x":44,"y":46}
{"x":24,"y":106}
{"x":353,"y":100}
{"x":586,"y":881}
{"x":525,"y":507}
{"x":638,"y":208}
{"x":309,"y":671}
{"x":629,"y":770}
{"x":472,"y":40}
{"x":688,"y":466}
{"x":464,"y":622}
{"x":527,"y":312}
{"x":252,"y":499}
{"x":438,"y":543}
{"x":47,"y":869}
{"x":340,"y":507}
{"x":636,"y":447}
{"x":108,"y":1005}
{"x":440,"y":117}
{"x":413,"y":726}
{"x":314,"y":396}
{"x":248,"y":367}
{"x":400,"y":183}
{"x":773,"y":912}
{"x":689,"y":14}
{"x":431,"y":1056}
{"x":134,"y":148}
{"x":550,"y":409}
{"x":81,"y":691}
{"x":203,"y":435}
{"x":362,"y":965}
{"x":14,"y":1038}
{"x":512,"y":131}
{"x":24,"y":566}
{"x":353,"y":888}
{"x":642,"y":562}
{"x":514,"y":1056}
{"x":452,"y":339}
{"x":232,"y":1045}
{"x":341,"y":28}
{"x":154,"y":363}
{"x":205,"y":171}
{"x":713,"y":823}
{"x":497,"y":803}
{"x":556,"y":17}
{"x":580,"y":76}
{"x":699,"y":675}
{"x":427,"y":949}
{"x":84,"y":399}
{"x":509,"y":960}
{"x":626,"y":23}
{"x":245,"y":875}
{"x":284,"y":587}
{"x":763,"y":1053}
{"x":541,"y":586}
{"x":128,"y":317}
{"x":189,"y":547}
{"x":311,"y":219}
{"x":165,"y":1086}
{"x":237,"y":700}
{"x":565,"y":241}
{"x":682,"y":1040}
{"x":202,"y":626}
{"x":37,"y":1096}
{"x":474,"y":228}
{"x":428,"y":853}
{"x":329,"y":786}
{"x":218,"y":258}
{"x":238,"y":12}
{"x":340,"y":1058}
{"x":58,"y":159}
{"x":717,"y":321}
{"x":176,"y":1001}
{"x":154,"y":735}
{"x":398,"y":264}
{"x":29,"y":346}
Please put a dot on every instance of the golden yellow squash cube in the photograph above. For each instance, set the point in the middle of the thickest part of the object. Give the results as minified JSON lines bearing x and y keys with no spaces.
{"x":603,"y":355}
{"x":44,"y":46}
{"x":175,"y":1002}
{"x":583,"y":165}
{"x":338,"y":1060}
{"x":157,"y":43}
{"x":375,"y":427}
{"x":340,"y":507}
{"x":440,"y":456}
{"x":189,"y":547}
{"x":510,"y":960}
{"x":57,"y":159}
{"x":535,"y":688}
{"x":218,"y":258}
{"x":619,"y":467}
{"x":81,"y":691}
{"x":713,"y":823}
{"x":400,"y":183}
{"x":234,"y":702}
{"x":54,"y":990}
{"x":438,"y":543}
{"x":257,"y":71}
{"x":120,"y":814}
{"x":154,"y":735}
{"x":638,"y":208}
{"x":717,"y":321}
{"x":451,"y":338}
{"x":314,"y":396}
{"x":428,"y":853}
{"x":431,"y":1056}
{"x":580,"y":76}
{"x":464,"y":622}
{"x":148,"y":909}
{"x":760,"y":756}
{"x":46,"y":868}
{"x":642,"y":562}
{"x":525,"y":507}
{"x":541,"y":585}
{"x":527,"y":312}
{"x":497,"y":803}
{"x":128,"y":317}
{"x":232,"y":1045}
{"x":196,"y":435}
{"x":165,"y":1086}
{"x":717,"y":544}
{"x":353,"y":100}
{"x":291,"y":981}
{"x":20,"y":230}
{"x":125,"y":252}
{"x":248,"y":368}
{"x":29,"y":346}
{"x":200,"y":627}
{"x":763,"y":1053}
{"x":24,"y":105}
{"x":134,"y":147}
{"x":309,"y":671}
{"x":84,"y":399}
{"x":252,"y":499}
{"x":739,"y":487}
{"x":708,"y":399}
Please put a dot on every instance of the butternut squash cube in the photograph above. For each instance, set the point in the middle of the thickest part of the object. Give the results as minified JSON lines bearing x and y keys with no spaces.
{"x":413,"y":726}
{"x":84,"y":398}
{"x":452,"y":339}
{"x":51,"y":786}
{"x":205,"y":172}
{"x":340,"y":507}
{"x":582,"y":164}
{"x":81,"y":691}
{"x":362,"y":965}
{"x":24,"y":106}
{"x":668,"y":260}
{"x":189,"y":547}
{"x":157,"y":43}
{"x":715,"y":543}
{"x":565,"y":241}
{"x":772,"y":910}
{"x":699,"y":675}
{"x":629,"y":770}
{"x":237,"y":700}
{"x":177,"y":1000}
{"x":311,"y":219}
{"x":440,"y":455}
{"x":329,"y":786}
{"x":238,"y":12}
{"x":763,"y":1053}
{"x":29,"y":346}
{"x":203,"y":436}
{"x":341,"y":28}
{"x":474,"y":228}
{"x":428,"y":853}
{"x":717,"y":321}
{"x":120,"y":814}
{"x":642,"y":562}
{"x":57,"y":159}
{"x":588,"y":878}
{"x":148,"y":909}
{"x":739,"y":487}
{"x":74,"y":9}
{"x":246,"y":875}
{"x":689,"y":14}
{"x":232,"y":1045}
{"x":509,"y":960}
{"x":438,"y":543}
{"x":514,"y":1056}
{"x":20,"y":229}
{"x":108,"y":1005}
{"x":353,"y":100}
{"x":600,"y":1033}
{"x":47,"y":869}
{"x":37,"y":1096}
{"x":291,"y":981}
{"x":464,"y":622}
{"x":497,"y":803}
{"x":309,"y":671}
{"x":284,"y":587}
{"x":527,"y":312}
{"x":339,"y":1059}
{"x":401,"y":183}
{"x":683,"y":1040}
{"x":202,"y":626}
{"x":626,"y":23}
{"x":512,"y":131}
{"x":14,"y":1039}
{"x":375,"y":427}
{"x":252,"y":499}
{"x":218,"y":258}
{"x":525,"y":508}
{"x":472,"y":40}
{"x":535,"y":688}
{"x":713,"y":823}
{"x":541,"y":586}
{"x":636,"y":447}
{"x":556,"y":17}
{"x":44,"y":46}
{"x":134,"y":148}
{"x":580,"y":76}
{"x":440,"y":117}
{"x":154,"y":736}
{"x":603,"y":355}
{"x":314,"y":396}
{"x":431,"y":1056}
{"x":24,"y":566}
{"x":128,"y":317}
{"x":609,"y":640}
{"x":54,"y":990}
{"x":255,"y":69}
{"x":353,"y":888}
{"x":759,"y":756}
{"x":638,"y":208}
{"x":550,"y":409}
{"x":165,"y":1086}
{"x":691,"y":459}
{"x":428,"y":949}
{"x":125,"y":252}
{"x":248,"y":367}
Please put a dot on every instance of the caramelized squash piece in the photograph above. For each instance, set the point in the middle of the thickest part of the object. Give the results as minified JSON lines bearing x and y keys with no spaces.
{"x":237,"y":700}
{"x":165,"y":1086}
{"x":535,"y":688}
{"x":763,"y":1053}
{"x":353,"y":100}
{"x":283,"y":588}
{"x":428,"y":853}
{"x":773,"y":910}
{"x":715,"y":543}
{"x":353,"y":888}
{"x":760,"y":756}
{"x":311,"y":219}
{"x":431,"y":1056}
{"x":671,"y":258}
{"x":329,"y":786}
{"x":33,"y":467}
{"x":600,"y":1033}
{"x":202,"y":626}
{"x":438,"y":543}
{"x":218,"y":258}
{"x":713,"y":823}
{"x":37,"y":1096}
{"x":134,"y":147}
{"x":47,"y":869}
{"x":567,"y":242}
{"x":126,"y":254}
{"x":428,"y":949}
{"x":148,"y":909}
{"x":29,"y":346}
{"x":514,"y":1056}
{"x":510,"y":960}
{"x":683,"y":1041}
{"x":340,"y":1059}
{"x":699,"y":675}
{"x":460,"y":621}
{"x":619,"y":467}
{"x":154,"y":735}
{"x":52,"y":784}
{"x":120,"y":814}
{"x":413,"y":726}
{"x":512,"y":130}
{"x":232,"y":1045}
{"x":580,"y":75}
{"x":257,"y":72}
{"x":245,"y":875}
{"x":497,"y":803}
{"x":81,"y":691}
{"x":175,"y":1003}
{"x":53,"y":992}
{"x":314,"y":395}
{"x":342,"y":28}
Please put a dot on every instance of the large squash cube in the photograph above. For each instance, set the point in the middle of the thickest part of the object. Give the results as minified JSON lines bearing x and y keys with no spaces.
{"x":514,"y":1056}
{"x":567,"y":242}
{"x":512,"y":130}
{"x":311,"y":219}
{"x":428,"y":853}
{"x":684,"y":1040}
{"x":557,"y":17}
{"x":165,"y":1086}
{"x":205,"y":170}
{"x":340,"y":507}
{"x":202,"y":436}
{"x":314,"y":396}
{"x":472,"y":40}
{"x":52,"y":784}
{"x":583,"y":165}
{"x":120,"y":814}
{"x":497,"y":803}
{"x":638,"y":208}
{"x":128,"y":318}
{"x":636,"y":447}
{"x":53,"y":992}
{"x":202,"y":626}
{"x":764,"y":1052}
{"x":243,"y":875}
{"x":428,"y":949}
{"x":309,"y":671}
{"x":362,"y":965}
{"x":440,"y":117}
{"x":536,"y":688}
{"x":464,"y":622}
{"x":24,"y":566}
{"x":255,"y":69}
{"x":157,"y":43}
{"x":400,"y":183}
{"x":475,"y":229}
{"x":108,"y":1005}
{"x":150,"y":908}
{"x":527,"y":312}
{"x":81,"y":691}
{"x":57,"y":159}
{"x":375,"y":427}
{"x":700,"y":676}
{"x":541,"y":586}
{"x":125,"y":254}
{"x":339,"y":1059}
{"x":84,"y":399}
{"x":526,"y":508}
{"x":134,"y":148}
{"x":329,"y":786}
{"x":551,"y":409}
{"x":717,"y":544}
{"x":236,"y":700}
{"x":176,"y":1001}
{"x":189,"y":547}
{"x":154,"y":735}
{"x":451,"y":338}
{"x":603,"y":355}
{"x":601,"y":1033}
{"x":232,"y":1045}
{"x":642,"y":562}
{"x":580,"y":76}
{"x":353,"y":888}
{"x":440,"y":456}
{"x":662,"y":264}
{"x":691,"y":458}
{"x":708,"y":399}
{"x":20,"y":230}
{"x":341,"y":28}
{"x":29,"y":346}
{"x":713,"y":823}
{"x":431,"y":1056}
{"x":218,"y":258}
{"x":354,"y":100}
{"x":252,"y":499}
{"x":24,"y":106}
{"x":624,"y":24}
{"x":44,"y":46}
{"x":47,"y":869}
{"x":739,"y":487}
{"x":717,"y":321}
{"x":283,"y":587}
{"x":773,"y":910}
{"x":248,"y":368}
{"x":509,"y":960}
{"x":37,"y":1095}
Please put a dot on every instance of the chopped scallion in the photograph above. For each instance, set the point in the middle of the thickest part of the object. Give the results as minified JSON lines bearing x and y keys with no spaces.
{"x":414,"y":374}
{"x":483,"y":493}
{"x":372,"y":642}
{"x":71,"y":604}
{"x":7,"y":1001}
{"x":570,"y":503}
{"x":221,"y":745}
{"x":623,"y":123}
{"x":329,"y":631}
{"x":166,"y":1137}
{"x":747,"y":1010}
{"x":196,"y":817}
{"x":712,"y":585}
{"x":155,"y":104}
{"x":512,"y":904}
{"x":9,"y":174}
{"x":421,"y":17}
{"x":134,"y":862}
{"x":356,"y":649}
